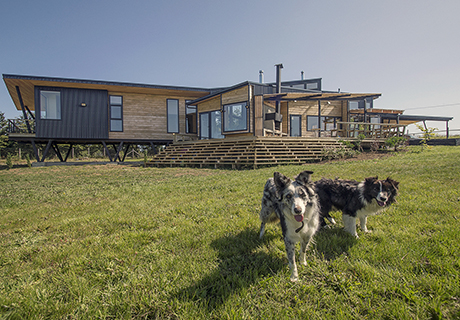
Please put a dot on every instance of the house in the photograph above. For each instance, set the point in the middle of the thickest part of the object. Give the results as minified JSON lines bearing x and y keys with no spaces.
{"x":62,"y":111}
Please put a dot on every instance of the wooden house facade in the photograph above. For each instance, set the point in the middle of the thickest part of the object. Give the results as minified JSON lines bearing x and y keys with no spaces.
{"x":61,"y":111}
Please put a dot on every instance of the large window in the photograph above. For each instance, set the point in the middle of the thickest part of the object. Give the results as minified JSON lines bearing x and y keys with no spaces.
{"x":211,"y":125}
{"x":235,"y":117}
{"x":173,"y":115}
{"x":296,"y":128}
{"x":50,"y":105}
{"x":190,"y":118}
{"x":116,"y":113}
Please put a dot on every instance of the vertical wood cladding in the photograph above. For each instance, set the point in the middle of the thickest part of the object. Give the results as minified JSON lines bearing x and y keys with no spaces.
{"x":77,"y":121}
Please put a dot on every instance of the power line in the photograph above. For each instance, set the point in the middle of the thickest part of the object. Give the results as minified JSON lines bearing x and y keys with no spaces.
{"x":438,"y":106}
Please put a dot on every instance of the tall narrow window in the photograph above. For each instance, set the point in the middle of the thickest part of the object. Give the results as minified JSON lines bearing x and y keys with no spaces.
{"x":190,"y":118}
{"x":173,"y":115}
{"x":204,"y":125}
{"x":235,"y":117}
{"x":50,"y":105}
{"x":116,"y":113}
{"x":296,"y":121}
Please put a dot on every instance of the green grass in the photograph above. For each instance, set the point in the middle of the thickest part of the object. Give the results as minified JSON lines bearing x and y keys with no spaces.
{"x":120,"y":242}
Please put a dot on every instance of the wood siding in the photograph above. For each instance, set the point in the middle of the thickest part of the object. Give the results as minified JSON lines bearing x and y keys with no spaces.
{"x":145,"y":116}
{"x":216,"y":103}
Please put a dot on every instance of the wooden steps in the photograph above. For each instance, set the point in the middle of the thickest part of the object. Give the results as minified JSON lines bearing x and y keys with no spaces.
{"x":244,"y":152}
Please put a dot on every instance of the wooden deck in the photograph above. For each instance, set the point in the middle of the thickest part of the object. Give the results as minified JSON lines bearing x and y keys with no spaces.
{"x":250,"y":152}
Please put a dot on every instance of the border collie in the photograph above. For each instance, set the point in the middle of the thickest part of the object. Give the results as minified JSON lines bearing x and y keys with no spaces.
{"x":355,"y":199}
{"x":295,"y":205}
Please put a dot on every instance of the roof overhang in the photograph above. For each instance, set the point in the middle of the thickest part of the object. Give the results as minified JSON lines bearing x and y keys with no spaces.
{"x":396,"y":115}
{"x":319,"y":96}
{"x":404,"y":117}
{"x":27,"y":84}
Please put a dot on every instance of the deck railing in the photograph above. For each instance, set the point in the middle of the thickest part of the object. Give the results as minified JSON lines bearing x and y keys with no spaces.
{"x":369,"y":130}
{"x":21,"y":126}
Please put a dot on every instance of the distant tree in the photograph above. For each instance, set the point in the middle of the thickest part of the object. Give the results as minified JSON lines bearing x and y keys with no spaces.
{"x":3,"y":136}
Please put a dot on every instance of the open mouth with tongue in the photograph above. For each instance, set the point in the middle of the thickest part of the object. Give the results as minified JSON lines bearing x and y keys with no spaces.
{"x":381,"y":203}
{"x":298,"y":217}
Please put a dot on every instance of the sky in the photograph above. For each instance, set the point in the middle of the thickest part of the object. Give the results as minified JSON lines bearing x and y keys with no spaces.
{"x":407,"y":50}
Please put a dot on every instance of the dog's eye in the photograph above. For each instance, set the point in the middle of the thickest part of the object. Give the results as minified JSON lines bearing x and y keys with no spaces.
{"x":288,"y":196}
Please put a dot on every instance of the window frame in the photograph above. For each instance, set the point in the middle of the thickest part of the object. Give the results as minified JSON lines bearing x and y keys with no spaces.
{"x":226,"y":120}
{"x":169,"y":121}
{"x":187,"y":125}
{"x":113,"y":119}
{"x":322,"y":125}
{"x":44,"y":108}
{"x":299,"y":116}
{"x":209,"y":119}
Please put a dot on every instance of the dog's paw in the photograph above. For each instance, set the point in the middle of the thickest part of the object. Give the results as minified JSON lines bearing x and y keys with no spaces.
{"x":294,"y":279}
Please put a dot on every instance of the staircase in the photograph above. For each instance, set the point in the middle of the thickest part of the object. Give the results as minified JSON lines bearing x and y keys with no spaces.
{"x":239,"y":153}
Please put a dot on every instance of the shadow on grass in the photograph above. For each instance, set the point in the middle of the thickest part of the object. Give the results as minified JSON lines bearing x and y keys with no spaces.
{"x":334,"y":242}
{"x":240,"y":265}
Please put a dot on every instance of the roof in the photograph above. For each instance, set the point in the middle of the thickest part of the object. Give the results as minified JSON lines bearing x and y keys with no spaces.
{"x":27,"y":84}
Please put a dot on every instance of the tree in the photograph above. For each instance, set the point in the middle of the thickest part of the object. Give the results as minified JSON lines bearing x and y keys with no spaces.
{"x":3,"y":136}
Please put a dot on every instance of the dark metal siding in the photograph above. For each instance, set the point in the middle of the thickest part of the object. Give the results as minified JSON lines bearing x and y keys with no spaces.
{"x":77,"y":122}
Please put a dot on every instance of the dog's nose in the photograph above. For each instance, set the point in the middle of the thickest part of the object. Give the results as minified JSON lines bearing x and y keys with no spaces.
{"x":297,"y":210}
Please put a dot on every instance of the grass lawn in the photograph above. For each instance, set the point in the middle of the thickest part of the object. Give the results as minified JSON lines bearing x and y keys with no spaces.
{"x":125,"y":242}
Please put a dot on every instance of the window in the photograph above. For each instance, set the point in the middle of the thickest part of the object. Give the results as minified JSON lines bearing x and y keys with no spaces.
{"x":204,"y":125}
{"x":312,"y":86}
{"x":211,"y":125}
{"x":235,"y":117}
{"x":190,"y":118}
{"x":327,"y":123}
{"x":173,"y":115}
{"x":50,"y":105}
{"x":296,"y":129}
{"x":116,"y":113}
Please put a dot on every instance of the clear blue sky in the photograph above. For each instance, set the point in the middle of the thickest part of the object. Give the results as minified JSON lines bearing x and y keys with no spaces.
{"x":408,"y":50}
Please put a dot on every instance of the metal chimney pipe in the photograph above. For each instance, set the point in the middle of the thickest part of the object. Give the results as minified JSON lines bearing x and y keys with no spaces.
{"x":261,"y":76}
{"x":278,"y":77}
{"x":301,"y":75}
{"x":278,"y":84}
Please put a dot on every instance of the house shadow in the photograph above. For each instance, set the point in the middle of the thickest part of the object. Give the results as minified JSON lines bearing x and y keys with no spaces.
{"x":240,"y":264}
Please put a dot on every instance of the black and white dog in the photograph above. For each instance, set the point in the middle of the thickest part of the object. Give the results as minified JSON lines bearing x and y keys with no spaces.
{"x":295,"y":205}
{"x":355,"y":199}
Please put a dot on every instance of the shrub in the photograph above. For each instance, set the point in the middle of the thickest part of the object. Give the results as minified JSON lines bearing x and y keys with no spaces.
{"x":428,"y":134}
{"x":9,"y":161}
{"x":395,"y":142}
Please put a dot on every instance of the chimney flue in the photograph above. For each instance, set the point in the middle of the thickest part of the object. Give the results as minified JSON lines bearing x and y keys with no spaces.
{"x":278,"y":77}
{"x":301,"y":75}
{"x":278,"y":84}
{"x":261,"y":76}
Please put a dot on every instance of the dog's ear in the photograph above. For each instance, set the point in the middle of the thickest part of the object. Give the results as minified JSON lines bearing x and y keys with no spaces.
{"x":394,"y":183}
{"x":304,"y":177}
{"x":371,"y":180}
{"x":281,"y":181}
